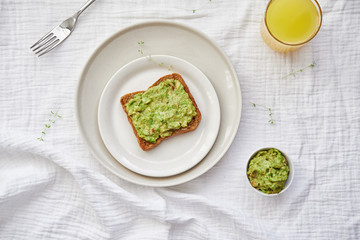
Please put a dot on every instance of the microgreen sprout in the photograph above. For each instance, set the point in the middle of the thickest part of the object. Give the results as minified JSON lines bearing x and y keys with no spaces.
{"x":140,"y":47}
{"x":148,"y":57}
{"x":270,"y":113}
{"x":300,"y":70}
{"x":194,"y":10}
{"x":53,"y":117}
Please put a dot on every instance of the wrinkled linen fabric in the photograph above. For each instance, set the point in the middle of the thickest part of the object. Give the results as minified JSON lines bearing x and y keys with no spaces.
{"x":57,"y":190}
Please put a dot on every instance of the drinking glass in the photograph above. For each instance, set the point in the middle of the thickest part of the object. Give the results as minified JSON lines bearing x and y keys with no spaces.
{"x":290,"y":24}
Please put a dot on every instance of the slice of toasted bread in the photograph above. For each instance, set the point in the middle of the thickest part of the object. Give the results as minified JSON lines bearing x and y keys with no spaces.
{"x":192,"y":125}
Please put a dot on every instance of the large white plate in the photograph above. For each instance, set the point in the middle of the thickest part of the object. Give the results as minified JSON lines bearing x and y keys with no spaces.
{"x":175,"y":155}
{"x":162,"y":38}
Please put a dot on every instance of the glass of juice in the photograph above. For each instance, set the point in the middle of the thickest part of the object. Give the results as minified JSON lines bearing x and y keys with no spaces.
{"x":290,"y":24}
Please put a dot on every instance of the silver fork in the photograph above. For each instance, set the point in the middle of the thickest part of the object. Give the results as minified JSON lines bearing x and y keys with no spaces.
{"x":56,"y":36}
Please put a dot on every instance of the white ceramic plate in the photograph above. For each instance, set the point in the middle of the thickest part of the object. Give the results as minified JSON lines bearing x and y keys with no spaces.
{"x":160,"y":38}
{"x":175,"y":155}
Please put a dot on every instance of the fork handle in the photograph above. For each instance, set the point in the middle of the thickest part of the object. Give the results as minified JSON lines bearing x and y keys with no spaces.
{"x":86,"y":5}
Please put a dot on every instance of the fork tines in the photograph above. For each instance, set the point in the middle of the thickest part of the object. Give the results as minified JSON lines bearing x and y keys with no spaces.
{"x":45,"y":44}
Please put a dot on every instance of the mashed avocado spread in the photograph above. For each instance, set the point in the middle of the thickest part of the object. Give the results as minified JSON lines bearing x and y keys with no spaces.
{"x":268,"y":171}
{"x":160,"y":110}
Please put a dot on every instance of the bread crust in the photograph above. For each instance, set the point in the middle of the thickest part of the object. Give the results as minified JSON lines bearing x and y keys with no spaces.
{"x":192,"y":125}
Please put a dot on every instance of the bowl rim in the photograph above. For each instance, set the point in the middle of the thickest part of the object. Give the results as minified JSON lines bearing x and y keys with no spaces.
{"x":289,"y":180}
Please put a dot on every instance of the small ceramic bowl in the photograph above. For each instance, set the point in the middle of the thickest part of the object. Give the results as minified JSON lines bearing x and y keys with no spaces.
{"x":288,"y":181}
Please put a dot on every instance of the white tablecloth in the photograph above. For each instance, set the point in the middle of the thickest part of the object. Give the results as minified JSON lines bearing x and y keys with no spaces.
{"x":56,"y":190}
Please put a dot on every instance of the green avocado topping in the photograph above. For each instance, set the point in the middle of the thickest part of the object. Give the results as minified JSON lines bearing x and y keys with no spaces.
{"x":160,"y":110}
{"x":268,"y":171}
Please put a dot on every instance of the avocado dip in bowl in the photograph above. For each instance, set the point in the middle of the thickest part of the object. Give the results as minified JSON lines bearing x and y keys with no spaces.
{"x":269,"y":171}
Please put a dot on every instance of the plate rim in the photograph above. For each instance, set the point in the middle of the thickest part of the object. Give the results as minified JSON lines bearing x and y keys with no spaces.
{"x":217,"y":110}
{"x":96,"y":52}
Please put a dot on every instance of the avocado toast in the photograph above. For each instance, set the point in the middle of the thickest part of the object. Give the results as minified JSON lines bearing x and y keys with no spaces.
{"x":165,"y":109}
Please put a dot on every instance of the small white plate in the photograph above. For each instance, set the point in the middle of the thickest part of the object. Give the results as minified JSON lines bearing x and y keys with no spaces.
{"x":176,"y":154}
